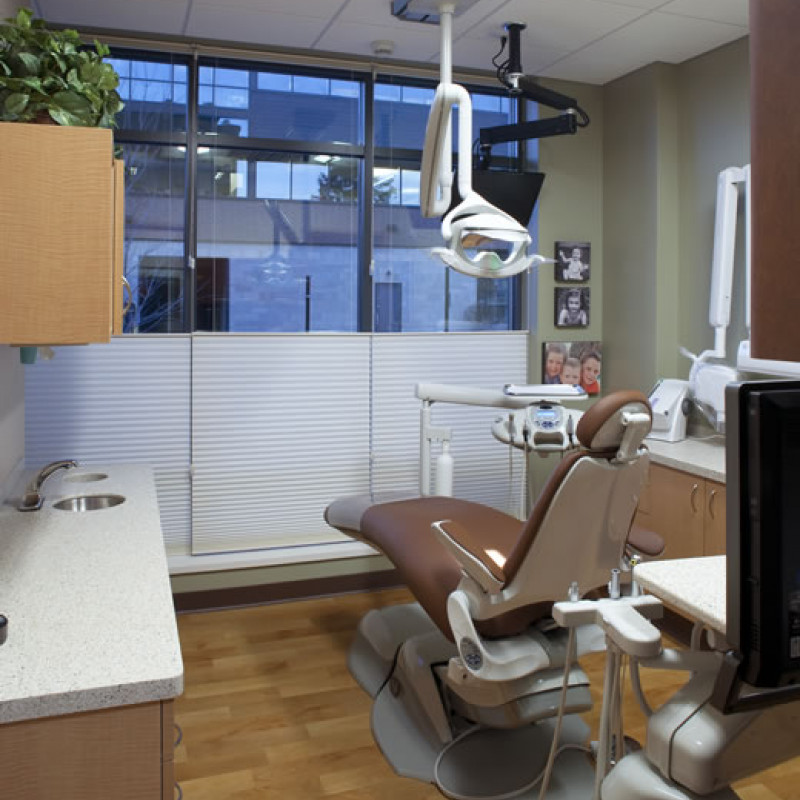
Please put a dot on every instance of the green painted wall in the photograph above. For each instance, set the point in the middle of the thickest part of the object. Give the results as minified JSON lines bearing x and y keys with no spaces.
{"x":570,"y":208}
{"x":714,"y":94}
{"x":668,"y":132}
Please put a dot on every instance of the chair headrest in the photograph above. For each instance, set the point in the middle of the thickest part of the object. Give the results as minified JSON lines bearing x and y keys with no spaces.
{"x":601,"y":428}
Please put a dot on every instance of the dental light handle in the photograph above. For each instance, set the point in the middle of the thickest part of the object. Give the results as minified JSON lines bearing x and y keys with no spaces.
{"x":444,"y":472}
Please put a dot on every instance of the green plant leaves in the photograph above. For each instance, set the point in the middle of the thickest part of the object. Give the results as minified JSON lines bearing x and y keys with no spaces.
{"x":15,"y":103}
{"x":44,"y":70}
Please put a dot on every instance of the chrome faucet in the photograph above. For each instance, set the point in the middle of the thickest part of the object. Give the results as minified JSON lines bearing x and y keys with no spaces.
{"x":33,"y":499}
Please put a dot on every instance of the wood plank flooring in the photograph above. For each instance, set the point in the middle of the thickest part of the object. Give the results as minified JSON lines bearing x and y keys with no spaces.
{"x":269,"y":709}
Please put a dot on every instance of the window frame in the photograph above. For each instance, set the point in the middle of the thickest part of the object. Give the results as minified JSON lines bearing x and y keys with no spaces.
{"x":367,"y":153}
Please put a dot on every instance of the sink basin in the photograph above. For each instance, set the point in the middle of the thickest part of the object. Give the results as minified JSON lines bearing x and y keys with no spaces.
{"x":89,"y":502}
{"x":86,"y":477}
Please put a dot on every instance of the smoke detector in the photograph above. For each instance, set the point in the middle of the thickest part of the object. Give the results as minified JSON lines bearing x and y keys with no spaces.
{"x":382,"y":48}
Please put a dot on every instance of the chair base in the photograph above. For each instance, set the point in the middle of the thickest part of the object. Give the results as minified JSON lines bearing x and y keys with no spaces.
{"x":421,"y":740}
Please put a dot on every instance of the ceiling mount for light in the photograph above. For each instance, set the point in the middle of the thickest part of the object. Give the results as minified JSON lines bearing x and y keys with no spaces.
{"x":426,"y":10}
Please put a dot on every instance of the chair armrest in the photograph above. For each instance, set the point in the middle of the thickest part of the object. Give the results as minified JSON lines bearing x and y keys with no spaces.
{"x":471,"y":556}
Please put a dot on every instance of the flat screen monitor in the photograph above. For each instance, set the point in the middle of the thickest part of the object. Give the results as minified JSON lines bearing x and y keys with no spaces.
{"x":515,"y":193}
{"x":763,"y":530}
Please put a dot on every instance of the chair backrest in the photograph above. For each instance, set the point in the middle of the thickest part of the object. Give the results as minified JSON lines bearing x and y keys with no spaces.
{"x":578,"y":528}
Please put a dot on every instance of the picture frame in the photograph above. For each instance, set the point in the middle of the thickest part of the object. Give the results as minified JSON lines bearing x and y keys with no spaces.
{"x":573,"y":261}
{"x":576,"y":363}
{"x":572,"y":307}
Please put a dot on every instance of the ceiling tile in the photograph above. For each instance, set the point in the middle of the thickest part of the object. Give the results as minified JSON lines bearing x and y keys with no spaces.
{"x":153,"y":16}
{"x":655,"y":37}
{"x":259,"y":27}
{"x":561,"y":24}
{"x":325,"y":9}
{"x":357,"y":38}
{"x":732,"y":11}
{"x":477,"y":53}
{"x":644,"y":5}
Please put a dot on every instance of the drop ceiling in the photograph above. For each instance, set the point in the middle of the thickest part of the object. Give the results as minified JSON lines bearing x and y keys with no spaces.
{"x":592,"y":41}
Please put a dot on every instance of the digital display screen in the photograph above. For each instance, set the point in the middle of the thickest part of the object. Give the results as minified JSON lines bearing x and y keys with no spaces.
{"x":546,"y":414}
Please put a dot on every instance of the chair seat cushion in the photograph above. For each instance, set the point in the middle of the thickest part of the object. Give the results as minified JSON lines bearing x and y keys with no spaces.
{"x":402,"y":530}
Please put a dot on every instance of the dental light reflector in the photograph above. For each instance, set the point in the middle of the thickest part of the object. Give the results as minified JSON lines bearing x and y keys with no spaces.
{"x":474,"y":218}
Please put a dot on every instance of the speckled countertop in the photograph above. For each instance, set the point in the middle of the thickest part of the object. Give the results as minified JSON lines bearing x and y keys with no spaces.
{"x":704,"y":457}
{"x":695,"y":586}
{"x":87,"y":596}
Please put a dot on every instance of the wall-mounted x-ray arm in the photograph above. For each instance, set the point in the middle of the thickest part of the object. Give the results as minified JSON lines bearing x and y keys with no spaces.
{"x":474,"y":219}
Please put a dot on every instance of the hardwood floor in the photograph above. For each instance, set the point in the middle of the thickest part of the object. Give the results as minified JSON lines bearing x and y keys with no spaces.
{"x":270,"y":710}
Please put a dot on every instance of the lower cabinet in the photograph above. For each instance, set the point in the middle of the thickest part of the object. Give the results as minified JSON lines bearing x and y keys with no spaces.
{"x":687,"y":511}
{"x":124,"y":753}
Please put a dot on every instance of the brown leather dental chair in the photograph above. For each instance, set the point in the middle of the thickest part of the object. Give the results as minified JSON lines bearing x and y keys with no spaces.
{"x":479,"y":652}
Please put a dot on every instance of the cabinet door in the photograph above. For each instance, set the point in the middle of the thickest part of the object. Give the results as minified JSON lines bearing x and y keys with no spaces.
{"x":56,"y":222}
{"x":112,"y":753}
{"x":714,"y":534}
{"x":676,"y":503}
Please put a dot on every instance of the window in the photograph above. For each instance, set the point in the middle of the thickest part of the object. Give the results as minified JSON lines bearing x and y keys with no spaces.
{"x":273,"y":215}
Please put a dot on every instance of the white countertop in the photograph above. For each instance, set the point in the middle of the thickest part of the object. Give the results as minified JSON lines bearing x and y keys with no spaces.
{"x":695,"y":586}
{"x":703,"y":457}
{"x":87,"y":596}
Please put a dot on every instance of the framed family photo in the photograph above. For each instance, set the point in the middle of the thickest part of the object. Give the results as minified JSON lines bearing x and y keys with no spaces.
{"x":572,"y":307}
{"x":573,"y":261}
{"x":573,"y":363}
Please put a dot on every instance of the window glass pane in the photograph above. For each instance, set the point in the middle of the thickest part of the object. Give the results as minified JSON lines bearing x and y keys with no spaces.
{"x":154,"y":237}
{"x":398,"y":123}
{"x":386,"y":185}
{"x":280,"y":254}
{"x":409,"y":187}
{"x":282,"y":105}
{"x":413,"y":290}
{"x":306,"y":85}
{"x":225,"y":97}
{"x":274,"y":179}
{"x":415,"y":94}
{"x":401,"y":115}
{"x":489,"y":110}
{"x":274,"y":82}
{"x":154,"y":96}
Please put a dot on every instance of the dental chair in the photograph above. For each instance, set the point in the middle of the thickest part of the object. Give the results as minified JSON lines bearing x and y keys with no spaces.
{"x":467,"y":681}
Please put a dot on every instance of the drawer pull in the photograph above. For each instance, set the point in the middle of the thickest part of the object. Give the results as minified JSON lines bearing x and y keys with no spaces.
{"x":692,"y":497}
{"x":711,"y":503}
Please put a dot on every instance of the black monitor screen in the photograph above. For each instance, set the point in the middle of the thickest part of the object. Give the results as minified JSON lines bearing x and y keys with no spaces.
{"x":763,"y":529}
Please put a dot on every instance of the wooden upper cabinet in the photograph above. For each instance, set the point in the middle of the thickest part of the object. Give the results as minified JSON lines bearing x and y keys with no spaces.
{"x":61,"y":223}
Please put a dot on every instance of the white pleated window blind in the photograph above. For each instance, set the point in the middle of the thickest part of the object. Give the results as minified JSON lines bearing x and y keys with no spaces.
{"x":127,"y":401}
{"x":485,"y":360}
{"x":280,"y":428}
{"x":251,"y":436}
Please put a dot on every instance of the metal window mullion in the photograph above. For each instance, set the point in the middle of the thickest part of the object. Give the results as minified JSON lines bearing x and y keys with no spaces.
{"x":190,"y":238}
{"x":365,"y":233}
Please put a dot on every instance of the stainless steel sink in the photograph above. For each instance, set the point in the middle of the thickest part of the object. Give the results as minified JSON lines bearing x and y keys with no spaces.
{"x":89,"y":502}
{"x":85,"y":477}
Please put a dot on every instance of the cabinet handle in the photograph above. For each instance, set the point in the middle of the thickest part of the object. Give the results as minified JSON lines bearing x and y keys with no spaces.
{"x":711,"y":503}
{"x":126,"y":285}
{"x":692,"y":497}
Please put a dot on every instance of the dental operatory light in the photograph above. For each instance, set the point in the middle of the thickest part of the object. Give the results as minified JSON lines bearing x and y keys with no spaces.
{"x":474,"y":221}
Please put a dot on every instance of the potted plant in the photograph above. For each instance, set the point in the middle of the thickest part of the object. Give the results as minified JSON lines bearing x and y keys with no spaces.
{"x":48,"y":75}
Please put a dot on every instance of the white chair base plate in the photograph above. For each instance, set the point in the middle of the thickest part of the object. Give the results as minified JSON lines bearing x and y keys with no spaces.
{"x":482,"y":764}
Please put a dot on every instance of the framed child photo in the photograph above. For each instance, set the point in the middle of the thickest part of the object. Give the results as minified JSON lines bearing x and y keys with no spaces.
{"x":573,"y":261}
{"x":573,"y":363}
{"x":572,"y":307}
